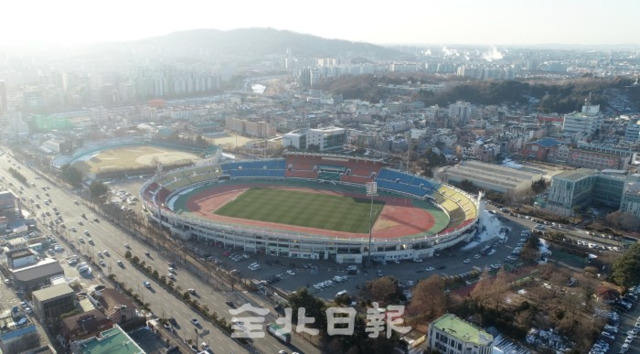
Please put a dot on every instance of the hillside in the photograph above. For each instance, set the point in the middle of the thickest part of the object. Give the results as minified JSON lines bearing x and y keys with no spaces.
{"x":261,"y":42}
{"x":615,"y":95}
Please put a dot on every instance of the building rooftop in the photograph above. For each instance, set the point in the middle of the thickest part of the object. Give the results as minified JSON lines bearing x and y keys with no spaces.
{"x":53,"y":292}
{"x":489,"y":173}
{"x":19,"y":253}
{"x":112,"y":341}
{"x":327,"y":129}
{"x":576,"y":174}
{"x":633,"y":189}
{"x":462,"y":330}
{"x":13,"y":323}
{"x":110,"y":298}
{"x":89,"y":321}
{"x":6,"y":195}
{"x":44,"y":268}
{"x":547,"y":142}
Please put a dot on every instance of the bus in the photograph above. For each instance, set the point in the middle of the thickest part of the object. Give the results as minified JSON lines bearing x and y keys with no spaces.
{"x":279,"y":332}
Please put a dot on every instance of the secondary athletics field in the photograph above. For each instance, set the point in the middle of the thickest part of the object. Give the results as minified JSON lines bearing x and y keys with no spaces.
{"x":131,"y":157}
{"x":311,"y":208}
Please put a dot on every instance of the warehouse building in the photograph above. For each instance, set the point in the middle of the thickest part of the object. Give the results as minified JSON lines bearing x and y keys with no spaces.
{"x":495,"y":178}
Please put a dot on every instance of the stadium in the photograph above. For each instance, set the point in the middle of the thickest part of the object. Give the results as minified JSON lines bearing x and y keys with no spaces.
{"x":312,"y":206}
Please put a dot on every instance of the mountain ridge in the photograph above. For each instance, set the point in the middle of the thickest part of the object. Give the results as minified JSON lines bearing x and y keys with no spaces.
{"x":268,"y":41}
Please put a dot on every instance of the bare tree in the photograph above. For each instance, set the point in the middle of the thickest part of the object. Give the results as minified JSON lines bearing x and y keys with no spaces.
{"x":429,"y":300}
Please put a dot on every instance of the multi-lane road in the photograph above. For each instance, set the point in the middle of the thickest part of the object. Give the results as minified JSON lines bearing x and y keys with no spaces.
{"x":107,"y":236}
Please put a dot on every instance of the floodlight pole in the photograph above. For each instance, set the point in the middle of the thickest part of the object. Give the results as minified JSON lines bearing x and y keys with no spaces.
{"x":372,"y":189}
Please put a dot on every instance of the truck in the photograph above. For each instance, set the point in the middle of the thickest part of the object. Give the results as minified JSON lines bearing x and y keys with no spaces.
{"x":279,"y":332}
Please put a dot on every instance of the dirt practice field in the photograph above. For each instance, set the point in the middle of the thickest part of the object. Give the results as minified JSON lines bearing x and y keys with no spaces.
{"x":228,"y":140}
{"x":131,"y":157}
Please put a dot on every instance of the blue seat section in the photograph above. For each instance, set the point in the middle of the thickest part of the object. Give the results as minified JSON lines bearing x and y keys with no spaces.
{"x":402,"y":188}
{"x":262,"y":168}
{"x":406,"y":183}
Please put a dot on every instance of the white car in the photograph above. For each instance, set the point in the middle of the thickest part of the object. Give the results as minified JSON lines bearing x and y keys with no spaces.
{"x":624,"y":348}
{"x":146,"y":284}
{"x":290,"y":272}
{"x":466,"y":261}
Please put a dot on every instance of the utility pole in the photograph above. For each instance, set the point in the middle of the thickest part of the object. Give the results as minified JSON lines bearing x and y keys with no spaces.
{"x":372,"y":190}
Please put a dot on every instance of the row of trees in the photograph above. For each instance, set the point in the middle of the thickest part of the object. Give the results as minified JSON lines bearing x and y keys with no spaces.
{"x":17,"y":175}
{"x":359,"y":342}
{"x":179,"y":292}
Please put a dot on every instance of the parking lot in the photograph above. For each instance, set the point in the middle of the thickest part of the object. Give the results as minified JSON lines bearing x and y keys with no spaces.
{"x":326,"y":278}
{"x":624,"y":331}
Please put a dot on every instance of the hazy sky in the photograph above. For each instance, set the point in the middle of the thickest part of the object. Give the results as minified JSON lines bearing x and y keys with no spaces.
{"x":382,"y":22}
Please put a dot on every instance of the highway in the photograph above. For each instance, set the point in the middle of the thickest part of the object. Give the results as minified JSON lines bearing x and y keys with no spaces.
{"x":107,"y":236}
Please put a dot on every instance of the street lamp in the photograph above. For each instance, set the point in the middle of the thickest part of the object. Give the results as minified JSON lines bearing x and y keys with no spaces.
{"x":372,"y":190}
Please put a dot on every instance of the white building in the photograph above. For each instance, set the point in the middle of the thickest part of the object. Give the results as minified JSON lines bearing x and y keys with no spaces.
{"x":296,"y":139}
{"x":460,"y":112}
{"x":584,"y":123}
{"x":320,"y":139}
{"x":630,"y":203}
{"x":450,"y":334}
{"x":632,"y":133}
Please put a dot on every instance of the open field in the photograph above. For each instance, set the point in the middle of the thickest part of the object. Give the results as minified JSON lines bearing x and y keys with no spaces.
{"x":315,"y":210}
{"x":229,"y":140}
{"x":132,"y":157}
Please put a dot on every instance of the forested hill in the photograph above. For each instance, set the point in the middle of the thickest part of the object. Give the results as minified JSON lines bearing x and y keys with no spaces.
{"x":615,"y":95}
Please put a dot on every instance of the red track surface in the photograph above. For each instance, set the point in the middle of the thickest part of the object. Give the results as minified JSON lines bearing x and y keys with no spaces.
{"x":398,"y":218}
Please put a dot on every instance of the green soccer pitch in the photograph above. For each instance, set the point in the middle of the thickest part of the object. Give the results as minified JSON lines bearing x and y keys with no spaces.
{"x":320,"y":211}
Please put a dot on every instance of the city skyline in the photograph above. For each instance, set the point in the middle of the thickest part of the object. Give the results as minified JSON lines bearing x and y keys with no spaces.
{"x":497,"y":22}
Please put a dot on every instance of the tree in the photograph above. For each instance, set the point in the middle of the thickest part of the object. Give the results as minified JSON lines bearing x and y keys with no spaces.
{"x":626,"y":269}
{"x":429,"y":300}
{"x":622,"y":220}
{"x":435,"y":159}
{"x":531,"y":249}
{"x":98,"y":189}
{"x":482,"y":291}
{"x":72,"y":175}
{"x":384,"y":290}
{"x":467,"y":186}
{"x":539,"y":186}
{"x":313,"y":306}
